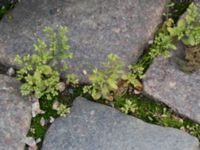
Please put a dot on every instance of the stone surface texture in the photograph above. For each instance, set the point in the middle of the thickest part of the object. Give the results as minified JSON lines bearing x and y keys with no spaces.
{"x":165,"y":82}
{"x":92,"y":126}
{"x":97,"y":28}
{"x":15,"y":115}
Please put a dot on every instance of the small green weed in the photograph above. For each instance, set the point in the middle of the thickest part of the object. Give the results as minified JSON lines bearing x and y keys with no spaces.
{"x":128,"y":107}
{"x":112,"y":80}
{"x":39,"y":72}
{"x":63,"y":110}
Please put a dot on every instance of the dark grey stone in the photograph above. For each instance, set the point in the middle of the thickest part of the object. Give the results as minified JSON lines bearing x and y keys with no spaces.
{"x":15,"y":115}
{"x":97,"y":28}
{"x":92,"y":126}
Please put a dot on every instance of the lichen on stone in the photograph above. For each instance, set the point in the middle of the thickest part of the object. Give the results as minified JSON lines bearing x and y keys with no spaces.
{"x":191,"y":61}
{"x":192,"y":55}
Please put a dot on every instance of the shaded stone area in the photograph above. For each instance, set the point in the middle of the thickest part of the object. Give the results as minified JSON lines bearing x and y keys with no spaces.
{"x":3,"y":69}
{"x":7,"y":2}
{"x":15,"y":115}
{"x":97,"y":28}
{"x":92,"y":126}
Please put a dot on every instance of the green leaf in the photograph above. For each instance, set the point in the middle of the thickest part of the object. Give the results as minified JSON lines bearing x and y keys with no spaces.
{"x":96,"y":95}
{"x":113,"y":84}
{"x":181,"y":24}
{"x":124,"y":77}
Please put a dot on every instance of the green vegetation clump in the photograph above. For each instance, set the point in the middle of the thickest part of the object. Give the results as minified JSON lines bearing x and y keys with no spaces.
{"x":63,"y":110}
{"x":39,"y":71}
{"x":161,"y":45}
{"x":188,"y":32}
{"x":188,"y":27}
{"x":111,"y":81}
{"x":162,"y":42}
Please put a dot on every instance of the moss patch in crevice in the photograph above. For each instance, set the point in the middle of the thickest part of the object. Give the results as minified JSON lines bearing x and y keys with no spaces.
{"x":157,"y":113}
{"x":36,"y":130}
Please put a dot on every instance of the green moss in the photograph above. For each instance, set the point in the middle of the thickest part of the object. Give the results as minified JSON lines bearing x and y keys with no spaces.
{"x":39,"y":130}
{"x":66,"y":97}
{"x":157,"y":113}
